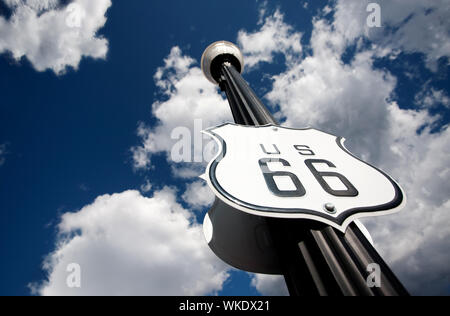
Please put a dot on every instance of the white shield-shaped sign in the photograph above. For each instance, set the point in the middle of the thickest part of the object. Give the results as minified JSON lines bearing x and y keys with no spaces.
{"x":275,"y":171}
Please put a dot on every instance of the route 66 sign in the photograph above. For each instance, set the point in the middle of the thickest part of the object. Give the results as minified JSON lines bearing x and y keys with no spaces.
{"x":274,"y":171}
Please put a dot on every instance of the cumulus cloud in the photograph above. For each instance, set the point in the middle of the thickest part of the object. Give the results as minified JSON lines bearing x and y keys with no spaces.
{"x":38,"y":5}
{"x":273,"y":37}
{"x":270,"y":285}
{"x":53,"y":36}
{"x":420,"y":253}
{"x":409,"y":26}
{"x":146,"y":187}
{"x":323,"y":92}
{"x":190,"y":104}
{"x":430,"y":97}
{"x":198,"y":195}
{"x":127,"y":244}
{"x":356,"y":100}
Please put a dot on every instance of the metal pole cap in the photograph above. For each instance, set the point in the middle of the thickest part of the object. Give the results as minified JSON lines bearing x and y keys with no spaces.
{"x":216,"y":54}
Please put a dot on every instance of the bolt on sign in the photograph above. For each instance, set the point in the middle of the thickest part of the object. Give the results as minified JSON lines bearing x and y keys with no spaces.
{"x":274,"y":171}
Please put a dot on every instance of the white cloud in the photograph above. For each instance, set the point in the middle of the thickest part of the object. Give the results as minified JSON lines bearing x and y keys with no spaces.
{"x":127,"y":244}
{"x":273,"y":37}
{"x":430,"y":97}
{"x":130,"y":244}
{"x":198,"y":195}
{"x":146,"y":187}
{"x":270,"y":285}
{"x":420,"y":163}
{"x":52,"y":36}
{"x":38,"y":5}
{"x":324,"y":93}
{"x":355,"y":100}
{"x":191,"y":102}
{"x":410,"y":26}
{"x":190,"y":97}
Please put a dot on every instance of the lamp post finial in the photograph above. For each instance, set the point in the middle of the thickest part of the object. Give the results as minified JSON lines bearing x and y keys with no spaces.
{"x":218,"y":53}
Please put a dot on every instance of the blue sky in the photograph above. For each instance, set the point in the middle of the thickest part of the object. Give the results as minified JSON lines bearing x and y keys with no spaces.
{"x":86,"y":114}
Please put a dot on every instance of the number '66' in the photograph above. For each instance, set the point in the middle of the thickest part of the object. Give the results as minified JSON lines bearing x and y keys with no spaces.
{"x":300,"y":190}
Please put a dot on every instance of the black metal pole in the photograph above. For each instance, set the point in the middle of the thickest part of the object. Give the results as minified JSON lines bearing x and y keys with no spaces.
{"x":316,"y":258}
